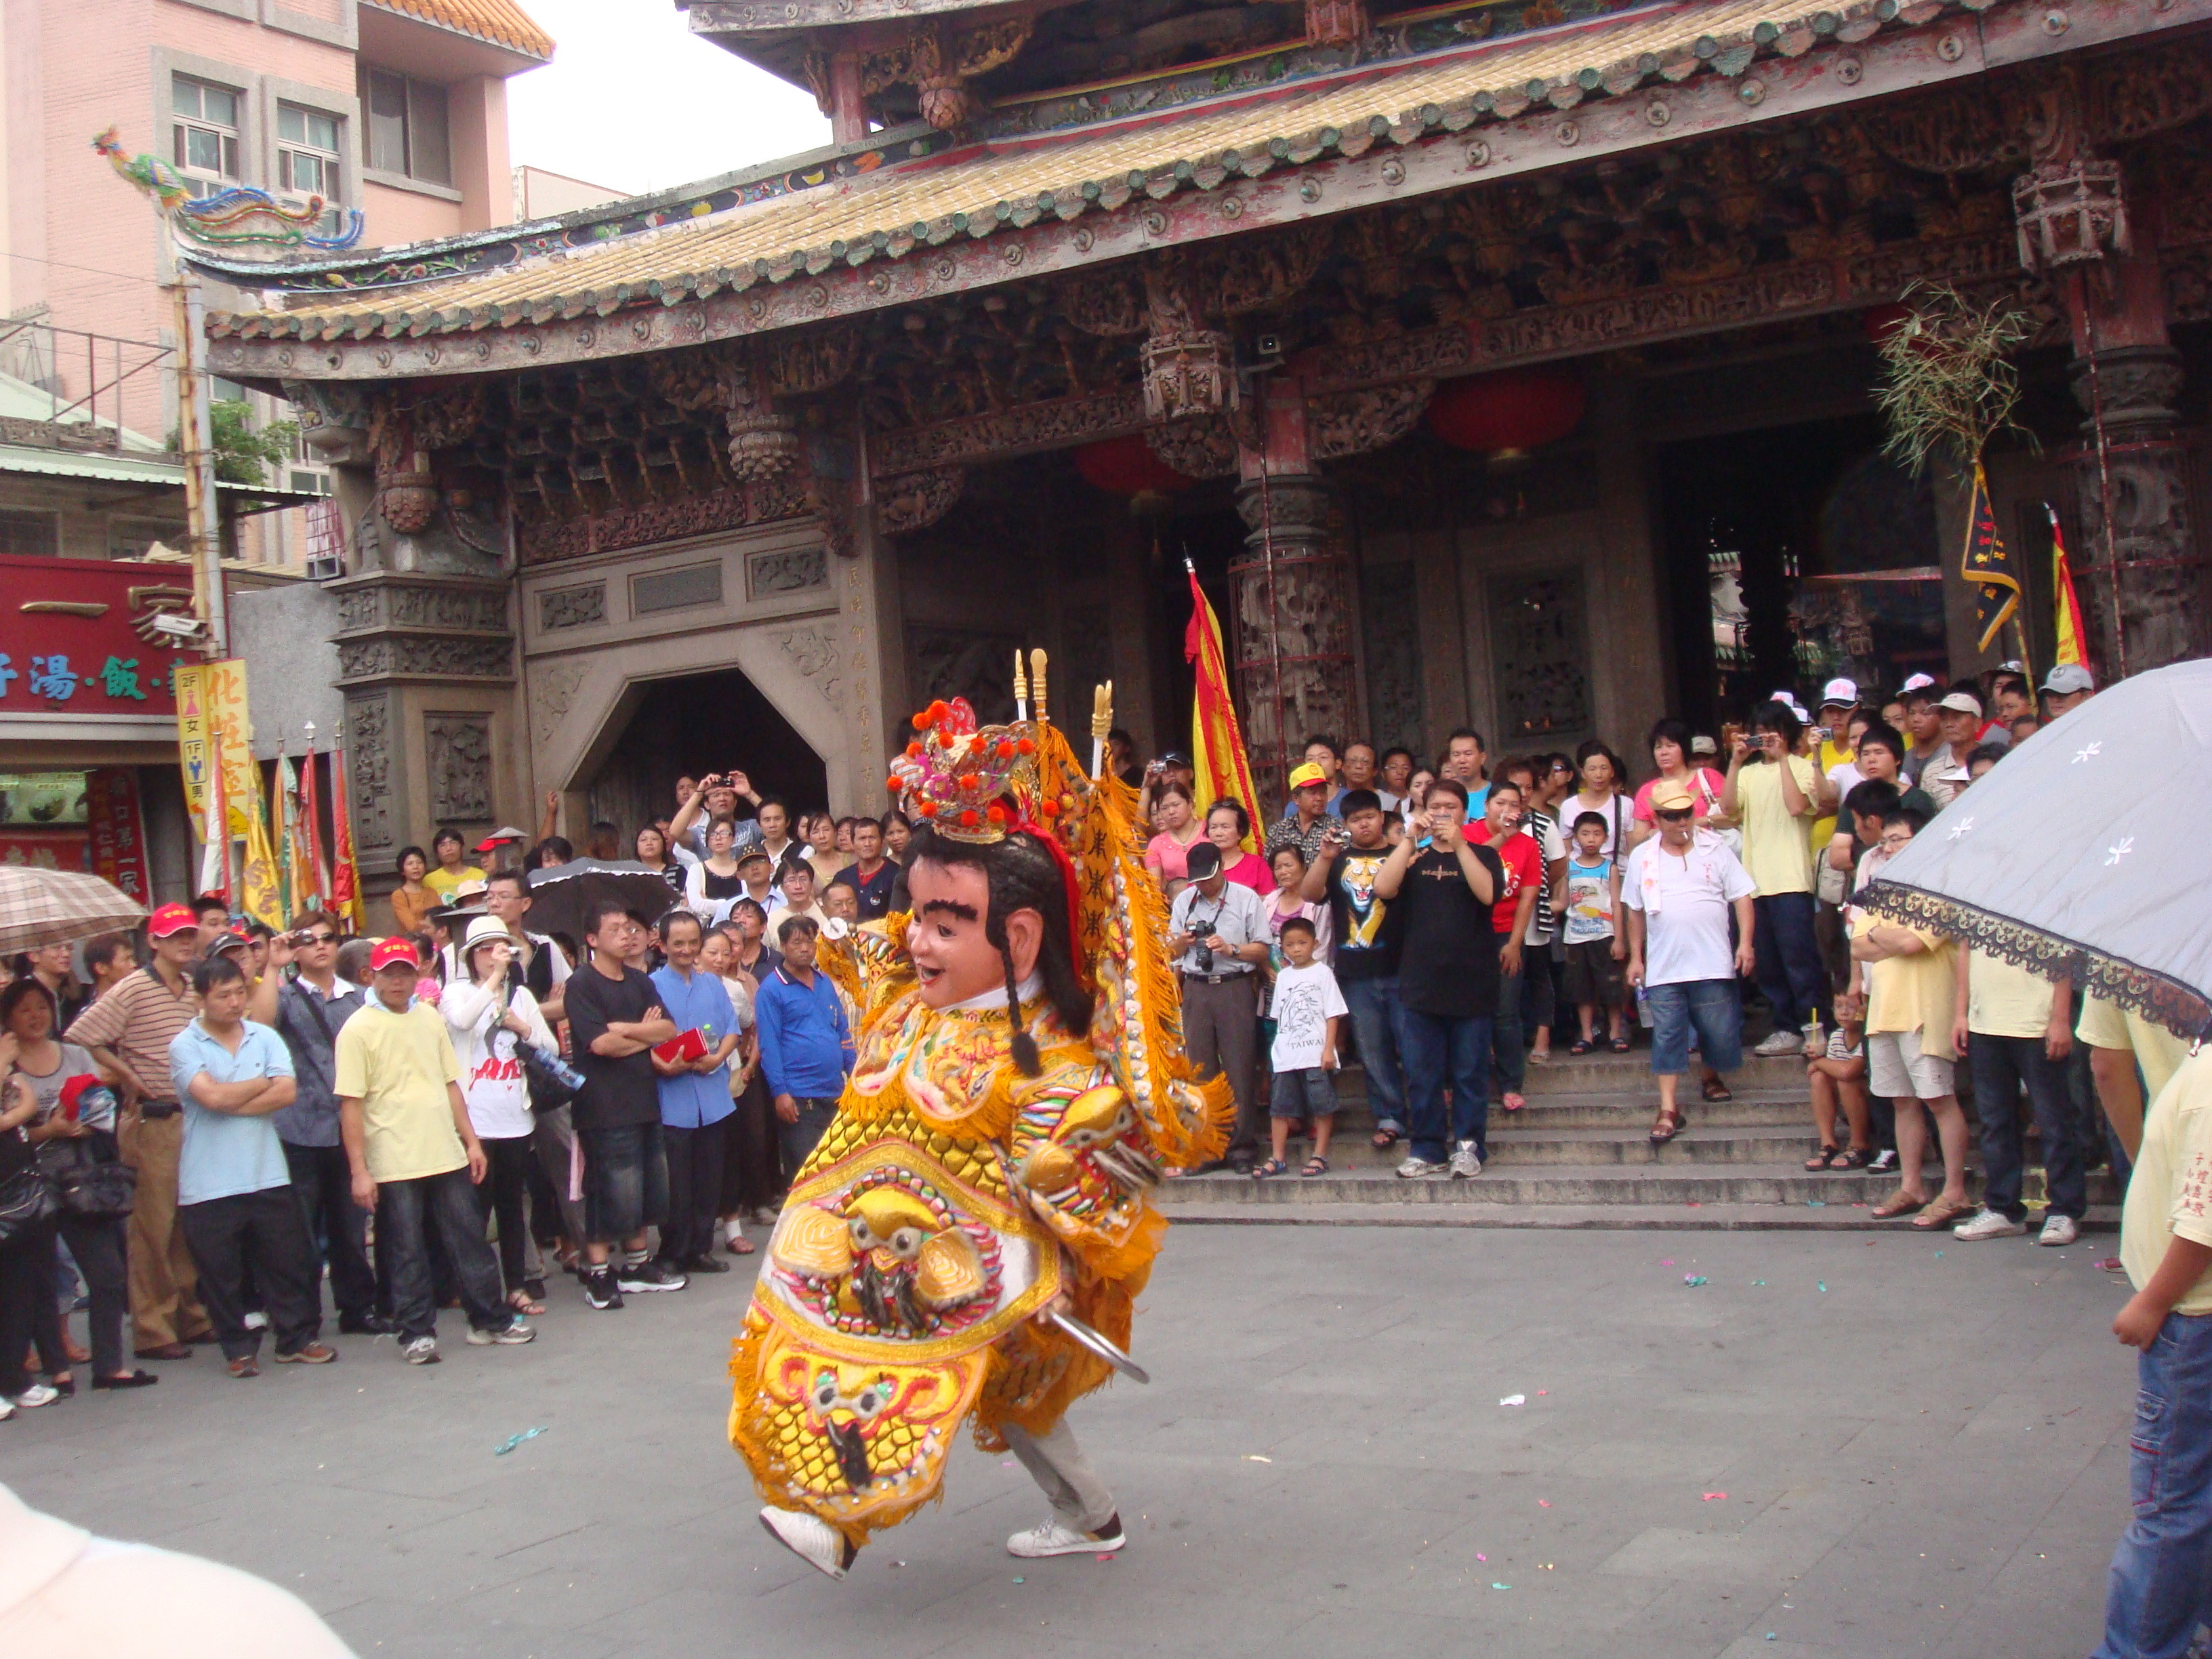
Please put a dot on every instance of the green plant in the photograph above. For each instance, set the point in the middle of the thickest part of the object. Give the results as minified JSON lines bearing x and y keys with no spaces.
{"x":243,"y":451}
{"x":1948,"y":386}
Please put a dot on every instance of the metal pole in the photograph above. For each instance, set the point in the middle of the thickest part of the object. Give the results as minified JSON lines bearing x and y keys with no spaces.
{"x":196,"y":426}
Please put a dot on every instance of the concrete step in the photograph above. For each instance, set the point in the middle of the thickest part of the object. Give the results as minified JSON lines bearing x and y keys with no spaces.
{"x":1633,"y":1113}
{"x":1667,"y":1218}
{"x":1677,"y":1184}
{"x":1764,"y":1143}
{"x":1631,"y":1074}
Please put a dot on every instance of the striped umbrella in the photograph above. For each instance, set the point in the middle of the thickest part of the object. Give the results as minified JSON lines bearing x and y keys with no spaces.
{"x":59,"y":907}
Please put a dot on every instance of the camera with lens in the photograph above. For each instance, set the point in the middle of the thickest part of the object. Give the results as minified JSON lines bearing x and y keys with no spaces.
{"x":1203,"y":955}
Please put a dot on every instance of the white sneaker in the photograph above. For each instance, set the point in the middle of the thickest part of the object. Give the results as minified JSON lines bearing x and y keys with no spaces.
{"x":1780,"y":1042}
{"x":422,"y":1351}
{"x":809,"y":1538}
{"x":511,"y":1334}
{"x":1989,"y":1224}
{"x":2059,"y":1230}
{"x":6,"y":1410}
{"x":1420,"y":1169}
{"x":36,"y":1395}
{"x":1056,"y":1537}
{"x":1465,"y":1165}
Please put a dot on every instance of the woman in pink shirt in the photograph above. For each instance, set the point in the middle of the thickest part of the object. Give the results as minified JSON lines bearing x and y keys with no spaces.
{"x":1167,"y":854}
{"x":1670,"y":753}
{"x":1227,"y":823}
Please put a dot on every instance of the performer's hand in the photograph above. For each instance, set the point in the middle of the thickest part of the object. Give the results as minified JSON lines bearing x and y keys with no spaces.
{"x":1060,"y":1304}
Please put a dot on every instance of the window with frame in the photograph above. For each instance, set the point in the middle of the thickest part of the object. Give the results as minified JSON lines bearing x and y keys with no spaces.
{"x":308,"y":152}
{"x":205,"y":132}
{"x":403,"y":126}
{"x":27,"y":532}
{"x":129,"y":538}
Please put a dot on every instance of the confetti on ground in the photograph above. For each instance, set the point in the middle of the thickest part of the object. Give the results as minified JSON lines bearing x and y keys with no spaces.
{"x":1501,"y":1587}
{"x":1480,"y":1556}
{"x":1254,"y":1457}
{"x":1668,"y":1262}
{"x":1823,"y":1284}
{"x":1758,"y":1281}
{"x":1107,"y":1557}
{"x":1939,"y":1256}
{"x":1543,"y":1503}
{"x":1693,"y":1279}
{"x":515,"y":1440}
{"x":1715,"y":1497}
{"x":1541,"y":1393}
{"x":1018,"y":1580}
{"x":1816,"y":1203}
{"x":2109,"y":1264}
{"x":1515,"y":1399}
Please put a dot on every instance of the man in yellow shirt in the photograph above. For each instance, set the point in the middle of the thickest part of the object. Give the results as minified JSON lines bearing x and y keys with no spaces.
{"x":2156,"y":1597}
{"x":2119,"y":1040}
{"x":1775,"y":798}
{"x":452,"y":866}
{"x":1911,"y":1007}
{"x":415,"y":1156}
{"x":2016,"y":1028}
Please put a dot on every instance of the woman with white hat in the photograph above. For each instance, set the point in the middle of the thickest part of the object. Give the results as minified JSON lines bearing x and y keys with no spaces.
{"x":492,"y":1015}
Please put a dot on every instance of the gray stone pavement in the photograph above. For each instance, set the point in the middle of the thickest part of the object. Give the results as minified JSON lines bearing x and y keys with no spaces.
{"x":1927,"y":1457}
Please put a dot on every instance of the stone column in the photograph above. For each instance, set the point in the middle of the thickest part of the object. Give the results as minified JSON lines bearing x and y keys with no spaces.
{"x":1296,"y":672}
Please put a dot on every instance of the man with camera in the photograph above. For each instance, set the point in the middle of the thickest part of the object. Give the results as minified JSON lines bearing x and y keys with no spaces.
{"x":713,"y":799}
{"x":1219,"y":936}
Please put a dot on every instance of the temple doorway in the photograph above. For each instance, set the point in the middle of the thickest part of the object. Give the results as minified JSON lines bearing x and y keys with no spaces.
{"x":693,"y":724}
{"x":1792,"y":556}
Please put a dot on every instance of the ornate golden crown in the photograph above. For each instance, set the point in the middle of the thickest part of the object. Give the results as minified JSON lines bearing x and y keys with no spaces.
{"x":968,"y":782}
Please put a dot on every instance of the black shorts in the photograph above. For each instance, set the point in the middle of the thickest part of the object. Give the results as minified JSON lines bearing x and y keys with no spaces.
{"x":625,"y":1181}
{"x":1593,"y":975}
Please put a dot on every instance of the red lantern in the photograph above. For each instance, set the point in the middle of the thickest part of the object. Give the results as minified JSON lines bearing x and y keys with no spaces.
{"x":1127,"y":466}
{"x":1507,"y":413}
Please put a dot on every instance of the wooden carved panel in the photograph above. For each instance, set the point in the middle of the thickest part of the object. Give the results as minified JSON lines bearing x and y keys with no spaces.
{"x":1540,"y":662}
{"x":1390,"y":612}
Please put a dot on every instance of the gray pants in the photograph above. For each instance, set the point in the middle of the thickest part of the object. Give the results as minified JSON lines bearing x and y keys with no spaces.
{"x":1056,"y":1463}
{"x":1220,"y":1024}
{"x":554,"y":1141}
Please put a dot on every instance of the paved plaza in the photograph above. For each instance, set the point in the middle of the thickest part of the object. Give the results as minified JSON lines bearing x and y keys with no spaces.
{"x":1927,"y":1456}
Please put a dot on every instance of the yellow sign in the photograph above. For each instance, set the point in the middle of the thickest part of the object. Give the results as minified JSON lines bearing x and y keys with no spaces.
{"x":224,"y":697}
{"x":195,"y":753}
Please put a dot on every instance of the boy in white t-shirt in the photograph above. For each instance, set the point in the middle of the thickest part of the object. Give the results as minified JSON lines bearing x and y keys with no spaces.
{"x":1309,"y":1011}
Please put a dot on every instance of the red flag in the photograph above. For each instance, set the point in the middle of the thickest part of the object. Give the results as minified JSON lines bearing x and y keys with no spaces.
{"x":2073,"y":634}
{"x":311,"y":829}
{"x":1216,"y":743}
{"x":345,"y":873}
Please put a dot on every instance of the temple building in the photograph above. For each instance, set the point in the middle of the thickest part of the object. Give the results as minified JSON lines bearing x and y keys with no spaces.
{"x":1491,"y":362}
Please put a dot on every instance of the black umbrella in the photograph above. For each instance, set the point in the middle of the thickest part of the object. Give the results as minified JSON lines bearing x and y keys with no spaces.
{"x":562,"y":897}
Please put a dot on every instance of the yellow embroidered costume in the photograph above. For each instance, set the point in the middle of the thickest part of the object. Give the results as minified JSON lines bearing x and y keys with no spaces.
{"x":967,"y":1179}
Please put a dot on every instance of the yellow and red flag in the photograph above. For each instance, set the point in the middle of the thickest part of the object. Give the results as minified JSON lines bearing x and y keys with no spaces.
{"x":345,"y":873}
{"x":1988,"y":565}
{"x":2072,"y":635}
{"x":261,"y":892}
{"x":1216,"y":743}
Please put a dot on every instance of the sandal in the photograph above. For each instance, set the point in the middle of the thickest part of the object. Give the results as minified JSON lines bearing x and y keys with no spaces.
{"x":523,"y":1303}
{"x":1824,"y":1156}
{"x":1315,"y":1165}
{"x":1856,"y":1158}
{"x":1581,"y":1046}
{"x":1384,"y":1139}
{"x":1539,"y":1056}
{"x":1713,"y":1089}
{"x":1899,"y":1203}
{"x":1621,"y":1045}
{"x":1943,"y":1213}
{"x":738,"y":1246}
{"x":1668,"y":1126}
{"x":1274,"y":1166}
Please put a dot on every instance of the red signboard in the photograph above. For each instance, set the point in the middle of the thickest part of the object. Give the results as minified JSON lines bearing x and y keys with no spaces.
{"x":46,"y":849}
{"x":74,"y":635}
{"x":118,"y":831}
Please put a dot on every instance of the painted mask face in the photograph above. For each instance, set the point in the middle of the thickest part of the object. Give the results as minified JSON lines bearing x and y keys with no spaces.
{"x":952,"y":958}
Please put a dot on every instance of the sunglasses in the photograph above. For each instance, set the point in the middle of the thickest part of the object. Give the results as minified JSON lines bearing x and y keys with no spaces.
{"x":1677,"y":815}
{"x":319,"y":938}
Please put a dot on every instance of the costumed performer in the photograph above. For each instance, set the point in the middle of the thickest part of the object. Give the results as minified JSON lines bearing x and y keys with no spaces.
{"x":1020,"y":1082}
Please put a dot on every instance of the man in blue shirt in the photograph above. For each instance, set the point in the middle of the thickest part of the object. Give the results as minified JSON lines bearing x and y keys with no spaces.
{"x":234,"y":1200}
{"x":805,"y":1043}
{"x":694,"y":1098}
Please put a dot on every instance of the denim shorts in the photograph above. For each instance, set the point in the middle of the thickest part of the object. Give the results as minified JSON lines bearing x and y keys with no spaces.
{"x":625,"y":1180}
{"x":1714,"y":1006}
{"x":1307,"y":1092}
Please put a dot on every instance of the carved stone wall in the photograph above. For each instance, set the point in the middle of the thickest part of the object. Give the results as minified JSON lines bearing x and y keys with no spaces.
{"x":368,"y":771}
{"x":1292,"y":634}
{"x":1540,"y":655}
{"x":1390,"y":630}
{"x":457,"y":755}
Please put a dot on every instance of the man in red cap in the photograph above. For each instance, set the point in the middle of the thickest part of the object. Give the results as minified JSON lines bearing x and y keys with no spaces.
{"x":128,"y":1031}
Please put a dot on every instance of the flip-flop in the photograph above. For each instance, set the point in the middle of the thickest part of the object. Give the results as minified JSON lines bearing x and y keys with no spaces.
{"x":1621,"y":1045}
{"x":1581,"y":1046}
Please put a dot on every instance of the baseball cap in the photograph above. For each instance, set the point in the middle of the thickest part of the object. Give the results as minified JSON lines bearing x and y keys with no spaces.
{"x":1839,"y":694}
{"x":1175,"y":758}
{"x":755,"y":851}
{"x":2068,"y":679}
{"x":1961,"y":702}
{"x":1918,"y":683}
{"x":1204,"y":859}
{"x":1702,"y":744}
{"x":499,"y":837}
{"x":1668,"y":796}
{"x":170,"y":918}
{"x":233,"y":938}
{"x":397,"y":948}
{"x":1302,"y":776}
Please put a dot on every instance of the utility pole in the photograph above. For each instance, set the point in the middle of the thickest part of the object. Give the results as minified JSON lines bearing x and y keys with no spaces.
{"x":195,"y":425}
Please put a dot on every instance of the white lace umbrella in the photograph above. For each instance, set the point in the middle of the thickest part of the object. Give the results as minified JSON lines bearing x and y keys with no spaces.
{"x":2087,"y":849}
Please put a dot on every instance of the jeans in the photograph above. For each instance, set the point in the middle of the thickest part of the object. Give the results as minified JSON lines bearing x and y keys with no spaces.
{"x":502,"y":1194}
{"x":1538,"y":1005}
{"x":1441,"y":1050}
{"x":694,"y":1158}
{"x":1790,"y":969}
{"x":1507,"y":1042}
{"x":1713,"y":1007}
{"x":2161,"y":1588}
{"x":261,"y":1231}
{"x":338,"y":1228}
{"x":797,"y":1139}
{"x":98,"y":1244}
{"x":625,"y":1181}
{"x":1378,"y":1026}
{"x":406,"y":1213}
{"x":2001,"y":1065}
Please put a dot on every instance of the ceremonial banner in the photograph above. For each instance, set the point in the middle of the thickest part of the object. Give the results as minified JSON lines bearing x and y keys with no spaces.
{"x":310,"y":881}
{"x":195,"y":752}
{"x":260,"y":889}
{"x":117,"y":827}
{"x":1217,"y":744}
{"x":224,"y":702}
{"x":2072,"y":635}
{"x":213,"y":823}
{"x":345,"y":873}
{"x":285,"y":796}
{"x":1988,"y":565}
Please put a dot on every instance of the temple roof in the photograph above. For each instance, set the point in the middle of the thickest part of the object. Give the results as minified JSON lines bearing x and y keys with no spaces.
{"x":904,"y":199}
{"x":500,"y":21}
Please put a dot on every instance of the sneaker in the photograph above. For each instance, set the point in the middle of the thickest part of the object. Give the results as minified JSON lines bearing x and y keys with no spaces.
{"x":1989,"y":1224}
{"x":422,"y":1351}
{"x":6,"y":1410}
{"x":705,"y":1264}
{"x":637,"y":1277}
{"x":512,"y":1334}
{"x":1420,"y":1169}
{"x":1780,"y":1042}
{"x":600,"y":1289}
{"x":2059,"y":1230}
{"x":1056,"y":1537}
{"x":1885,"y":1163}
{"x":314,"y":1353}
{"x":765,"y":1215}
{"x":812,"y":1539}
{"x":1465,"y":1165}
{"x":39,"y":1394}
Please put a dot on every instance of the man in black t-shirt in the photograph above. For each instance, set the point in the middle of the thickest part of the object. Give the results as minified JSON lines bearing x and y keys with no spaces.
{"x":1443,"y":886}
{"x":1366,"y":931}
{"x":871,"y":874}
{"x":614,"y":1016}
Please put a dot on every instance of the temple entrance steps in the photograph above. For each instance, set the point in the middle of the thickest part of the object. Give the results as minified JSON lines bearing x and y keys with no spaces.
{"x":1578,"y":1155}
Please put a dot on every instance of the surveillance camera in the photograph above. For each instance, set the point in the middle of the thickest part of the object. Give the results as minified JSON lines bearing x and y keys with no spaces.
{"x":1270,"y":345}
